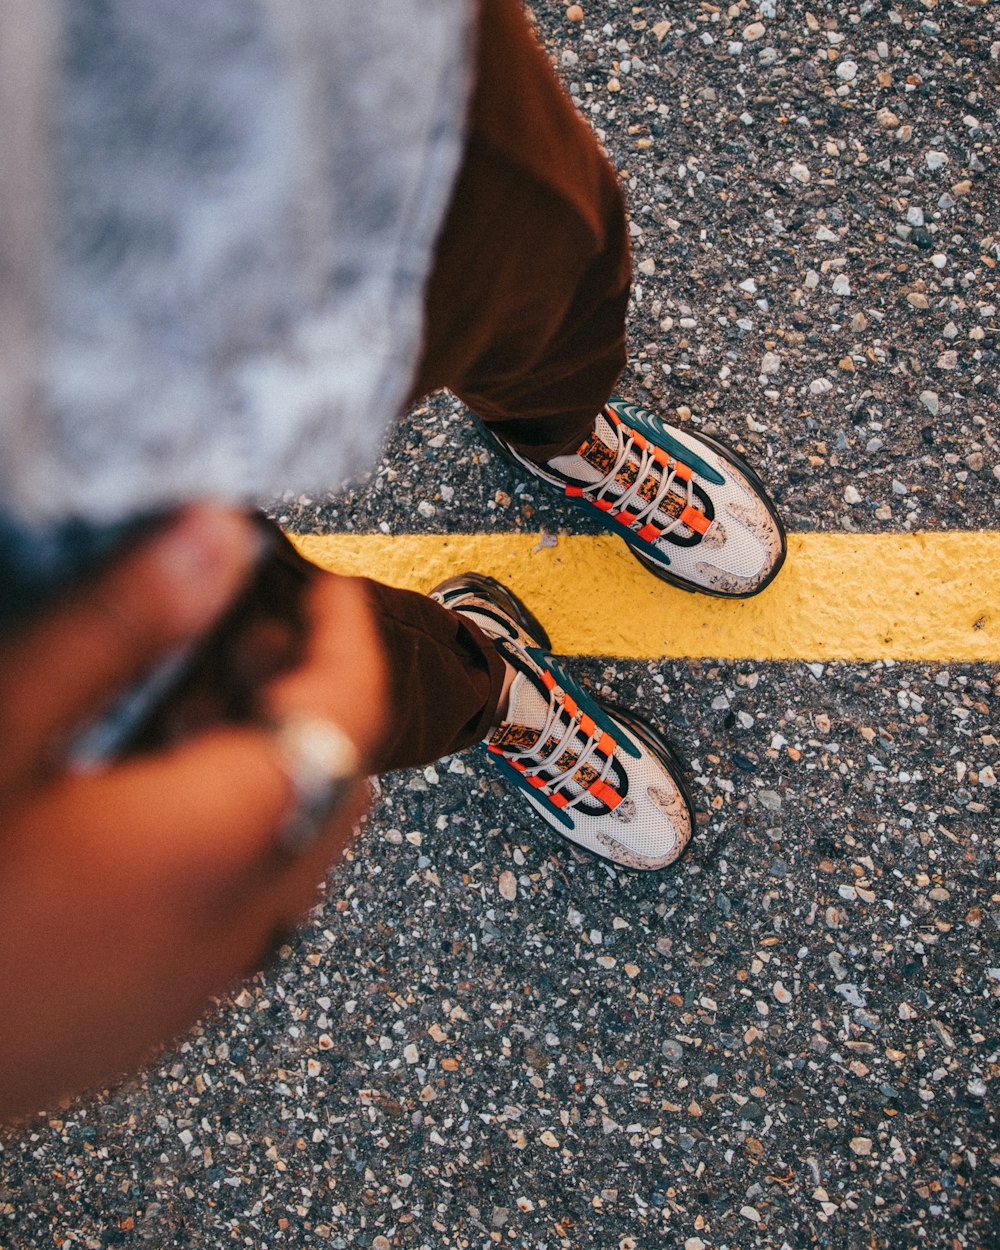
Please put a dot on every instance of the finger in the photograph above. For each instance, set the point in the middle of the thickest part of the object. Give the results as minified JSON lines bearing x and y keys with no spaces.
{"x":128,"y":952}
{"x":343,"y":675}
{"x":67,"y":666}
{"x":199,"y":824}
{"x":242,"y":937}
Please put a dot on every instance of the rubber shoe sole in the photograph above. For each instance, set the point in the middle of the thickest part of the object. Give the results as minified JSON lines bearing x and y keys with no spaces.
{"x":654,"y":566}
{"x":663,"y":755}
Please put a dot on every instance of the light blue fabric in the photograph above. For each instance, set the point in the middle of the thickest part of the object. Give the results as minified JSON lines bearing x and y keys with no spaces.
{"x":233,"y":223}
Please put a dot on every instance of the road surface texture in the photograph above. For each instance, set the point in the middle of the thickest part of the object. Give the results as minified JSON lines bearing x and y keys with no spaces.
{"x":485,"y":1038}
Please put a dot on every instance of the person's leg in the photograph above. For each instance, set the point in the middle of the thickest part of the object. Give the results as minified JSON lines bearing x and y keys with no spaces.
{"x":526,"y":324}
{"x":446,"y":678}
{"x":525,"y":307}
{"x":525,"y":321}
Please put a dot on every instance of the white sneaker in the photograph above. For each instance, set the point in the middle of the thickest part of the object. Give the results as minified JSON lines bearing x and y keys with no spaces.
{"x":597,"y":775}
{"x":691,"y":510}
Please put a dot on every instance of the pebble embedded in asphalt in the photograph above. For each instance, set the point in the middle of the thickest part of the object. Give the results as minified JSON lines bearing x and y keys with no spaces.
{"x":484,"y":1037}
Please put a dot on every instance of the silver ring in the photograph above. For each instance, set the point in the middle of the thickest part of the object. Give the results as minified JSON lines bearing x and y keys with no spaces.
{"x":321,"y":763}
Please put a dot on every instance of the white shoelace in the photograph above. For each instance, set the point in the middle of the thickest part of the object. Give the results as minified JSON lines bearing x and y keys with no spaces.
{"x":605,"y":486}
{"x":553,"y":725}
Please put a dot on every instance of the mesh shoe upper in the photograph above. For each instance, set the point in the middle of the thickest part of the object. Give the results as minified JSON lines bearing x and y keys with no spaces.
{"x":689,"y":507}
{"x":580,"y":766}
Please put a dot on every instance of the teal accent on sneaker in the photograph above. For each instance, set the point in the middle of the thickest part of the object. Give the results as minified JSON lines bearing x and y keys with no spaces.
{"x":586,"y":701}
{"x":656,"y":430}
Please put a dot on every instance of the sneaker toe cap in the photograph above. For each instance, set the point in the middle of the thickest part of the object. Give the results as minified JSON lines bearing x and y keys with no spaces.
{"x":747,"y":548}
{"x":656,"y":832}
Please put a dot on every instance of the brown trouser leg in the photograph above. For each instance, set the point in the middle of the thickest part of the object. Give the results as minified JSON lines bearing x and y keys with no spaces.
{"x":526,"y":303}
{"x":525,"y":322}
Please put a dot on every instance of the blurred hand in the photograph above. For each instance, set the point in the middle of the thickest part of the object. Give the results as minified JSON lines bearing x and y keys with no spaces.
{"x":129,"y":896}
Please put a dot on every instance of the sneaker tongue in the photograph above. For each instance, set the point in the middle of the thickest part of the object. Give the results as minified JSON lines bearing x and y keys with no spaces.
{"x":527,"y":712}
{"x":595,"y":459}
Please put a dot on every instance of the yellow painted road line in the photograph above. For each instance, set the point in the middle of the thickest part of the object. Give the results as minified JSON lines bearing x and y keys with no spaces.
{"x":928,"y":596}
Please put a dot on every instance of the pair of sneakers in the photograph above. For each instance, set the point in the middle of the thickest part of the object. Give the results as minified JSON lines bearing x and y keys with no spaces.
{"x":696,"y":515}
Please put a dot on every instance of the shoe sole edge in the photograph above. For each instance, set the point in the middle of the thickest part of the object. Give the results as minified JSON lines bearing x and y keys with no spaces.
{"x":502,"y":597}
{"x":650,"y":564}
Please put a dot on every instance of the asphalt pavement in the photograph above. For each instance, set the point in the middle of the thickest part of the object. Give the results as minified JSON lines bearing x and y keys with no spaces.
{"x":484,"y":1037}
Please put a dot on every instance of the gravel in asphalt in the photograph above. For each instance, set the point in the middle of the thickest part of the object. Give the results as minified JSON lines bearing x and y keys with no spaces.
{"x":483,"y":1037}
